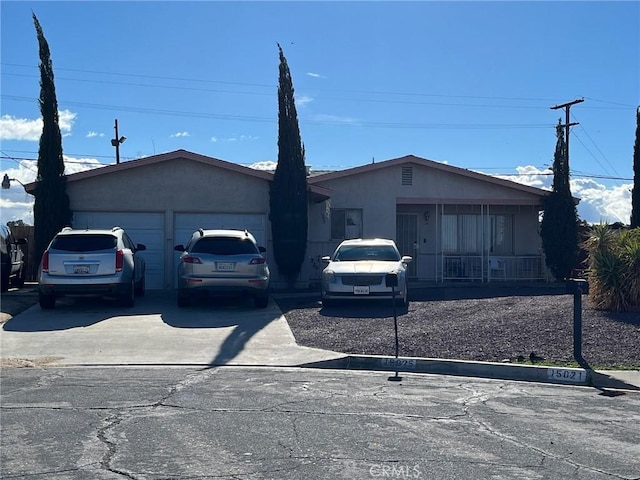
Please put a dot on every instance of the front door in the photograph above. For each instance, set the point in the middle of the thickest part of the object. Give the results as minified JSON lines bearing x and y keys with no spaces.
{"x":407,"y":239}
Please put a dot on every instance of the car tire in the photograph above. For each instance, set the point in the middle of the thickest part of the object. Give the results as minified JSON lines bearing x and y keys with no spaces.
{"x":327,"y":302}
{"x":183,"y":300}
{"x":4,"y":277}
{"x":128,"y":299}
{"x":47,"y":302}
{"x":261,"y":301}
{"x":18,"y":280}
{"x":403,"y":301}
{"x":140,"y":288}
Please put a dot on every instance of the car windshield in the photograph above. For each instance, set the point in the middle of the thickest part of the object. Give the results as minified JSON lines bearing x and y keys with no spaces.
{"x":84,"y":243}
{"x":225,"y":246}
{"x":382,"y":253}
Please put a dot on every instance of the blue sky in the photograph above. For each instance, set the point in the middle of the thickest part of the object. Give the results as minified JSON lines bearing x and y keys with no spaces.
{"x":466,"y":83}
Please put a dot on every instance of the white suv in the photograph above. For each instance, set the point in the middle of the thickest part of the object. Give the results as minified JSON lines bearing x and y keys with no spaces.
{"x":91,"y":262}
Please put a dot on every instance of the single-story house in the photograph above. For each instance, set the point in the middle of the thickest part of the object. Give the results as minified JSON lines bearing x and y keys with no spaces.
{"x":458,"y":225}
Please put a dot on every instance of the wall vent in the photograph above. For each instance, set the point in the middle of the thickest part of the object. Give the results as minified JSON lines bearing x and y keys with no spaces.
{"x":407,"y":175}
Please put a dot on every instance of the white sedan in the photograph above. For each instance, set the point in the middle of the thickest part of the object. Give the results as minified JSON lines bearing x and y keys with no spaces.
{"x":358,"y":269}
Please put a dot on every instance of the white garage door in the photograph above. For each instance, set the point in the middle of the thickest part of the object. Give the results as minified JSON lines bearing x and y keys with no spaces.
{"x":186,"y":223}
{"x":146,"y":228}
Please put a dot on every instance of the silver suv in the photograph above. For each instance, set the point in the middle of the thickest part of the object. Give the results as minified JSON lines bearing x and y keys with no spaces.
{"x":91,"y":262}
{"x":222,"y":263}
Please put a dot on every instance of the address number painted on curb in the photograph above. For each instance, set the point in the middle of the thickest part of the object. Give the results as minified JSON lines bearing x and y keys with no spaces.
{"x":567,"y":374}
{"x":399,"y":362}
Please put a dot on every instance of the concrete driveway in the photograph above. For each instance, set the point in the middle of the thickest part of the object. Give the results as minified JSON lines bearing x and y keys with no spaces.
{"x":90,"y":331}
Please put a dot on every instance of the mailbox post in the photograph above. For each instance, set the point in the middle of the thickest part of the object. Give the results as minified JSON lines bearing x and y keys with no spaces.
{"x":577,"y":287}
{"x":391,"y":280}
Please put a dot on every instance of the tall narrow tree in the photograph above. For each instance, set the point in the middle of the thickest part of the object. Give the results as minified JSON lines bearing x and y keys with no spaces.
{"x":635,"y":193}
{"x":51,"y":210}
{"x":288,"y":194}
{"x":559,"y":229}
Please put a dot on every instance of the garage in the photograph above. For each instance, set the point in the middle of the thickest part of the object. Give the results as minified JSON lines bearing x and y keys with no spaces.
{"x":142,"y":227}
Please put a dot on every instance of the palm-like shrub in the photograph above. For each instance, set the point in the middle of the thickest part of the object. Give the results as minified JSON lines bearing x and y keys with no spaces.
{"x":614,"y":268}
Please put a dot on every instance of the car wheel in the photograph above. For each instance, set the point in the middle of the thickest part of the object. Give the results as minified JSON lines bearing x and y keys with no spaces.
{"x":140,"y":288}
{"x":4,"y":278}
{"x":403,"y":300}
{"x":128,"y":299}
{"x":328,"y":302}
{"x":261,"y":302}
{"x":47,"y":302}
{"x":183,"y":300}
{"x":18,"y":280}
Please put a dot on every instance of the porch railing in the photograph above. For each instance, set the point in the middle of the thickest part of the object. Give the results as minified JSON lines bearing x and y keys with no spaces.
{"x":492,"y":268}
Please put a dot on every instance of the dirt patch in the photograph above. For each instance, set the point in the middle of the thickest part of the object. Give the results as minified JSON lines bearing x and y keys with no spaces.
{"x":496,"y":325}
{"x":28,"y":362}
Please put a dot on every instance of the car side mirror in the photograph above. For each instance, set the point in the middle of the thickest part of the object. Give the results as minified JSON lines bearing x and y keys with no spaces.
{"x":262,"y":250}
{"x":326,"y":259}
{"x":179,"y":248}
{"x":407,"y":259}
{"x":141,"y":246}
{"x":21,"y":241}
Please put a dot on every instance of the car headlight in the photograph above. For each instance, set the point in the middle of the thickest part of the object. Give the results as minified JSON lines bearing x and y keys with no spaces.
{"x":329,"y":276}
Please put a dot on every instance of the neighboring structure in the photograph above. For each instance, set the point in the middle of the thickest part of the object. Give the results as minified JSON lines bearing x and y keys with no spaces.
{"x":457,"y":224}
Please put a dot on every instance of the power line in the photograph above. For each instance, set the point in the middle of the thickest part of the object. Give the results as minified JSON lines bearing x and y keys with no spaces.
{"x":244,"y":118}
{"x":273,"y":86}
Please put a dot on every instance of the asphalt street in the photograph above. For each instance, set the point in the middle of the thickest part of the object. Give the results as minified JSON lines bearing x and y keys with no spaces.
{"x":292,"y":423}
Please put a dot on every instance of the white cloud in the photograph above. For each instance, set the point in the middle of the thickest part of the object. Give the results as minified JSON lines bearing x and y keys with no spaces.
{"x":333,"y":119}
{"x":303,"y":100}
{"x":179,"y":134}
{"x":214,"y":139}
{"x":598,"y":202}
{"x":94,"y":134}
{"x":267,"y":165}
{"x":315,"y":75}
{"x":12,"y":128}
{"x":16,"y":203}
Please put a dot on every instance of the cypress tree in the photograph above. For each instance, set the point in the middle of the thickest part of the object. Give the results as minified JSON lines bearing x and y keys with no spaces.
{"x":635,"y":193}
{"x":51,"y":210}
{"x":288,"y":192}
{"x":559,"y":229}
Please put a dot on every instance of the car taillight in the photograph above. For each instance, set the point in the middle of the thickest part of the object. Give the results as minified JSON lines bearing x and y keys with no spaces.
{"x":190,"y":259}
{"x":257,"y":261}
{"x":119,"y":260}
{"x":45,"y":261}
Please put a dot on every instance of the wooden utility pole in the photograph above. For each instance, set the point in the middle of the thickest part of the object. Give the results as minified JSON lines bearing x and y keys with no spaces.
{"x":567,"y":124}
{"x":116,"y":142}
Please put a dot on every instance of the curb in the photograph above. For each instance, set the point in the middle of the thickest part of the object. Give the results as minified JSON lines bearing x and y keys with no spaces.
{"x":498,"y":371}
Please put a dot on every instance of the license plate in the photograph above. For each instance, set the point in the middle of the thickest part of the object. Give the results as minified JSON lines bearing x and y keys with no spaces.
{"x":225,"y":266}
{"x":81,"y":269}
{"x":361,"y":290}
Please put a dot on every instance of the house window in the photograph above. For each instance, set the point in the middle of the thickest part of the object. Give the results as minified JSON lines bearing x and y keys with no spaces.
{"x":346,"y":223}
{"x":501,"y":234}
{"x":407,"y":175}
{"x":464,"y":234}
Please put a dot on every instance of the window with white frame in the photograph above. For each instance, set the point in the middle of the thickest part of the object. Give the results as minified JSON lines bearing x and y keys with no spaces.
{"x":463,"y":233}
{"x":346,"y":223}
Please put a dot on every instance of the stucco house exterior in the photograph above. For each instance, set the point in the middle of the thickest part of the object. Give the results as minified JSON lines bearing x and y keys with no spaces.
{"x":457,"y":224}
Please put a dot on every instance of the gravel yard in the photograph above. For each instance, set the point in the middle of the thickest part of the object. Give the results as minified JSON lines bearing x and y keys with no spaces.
{"x":471,"y":323}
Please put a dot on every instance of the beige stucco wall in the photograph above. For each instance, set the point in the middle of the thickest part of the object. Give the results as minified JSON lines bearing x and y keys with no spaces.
{"x":177,"y":185}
